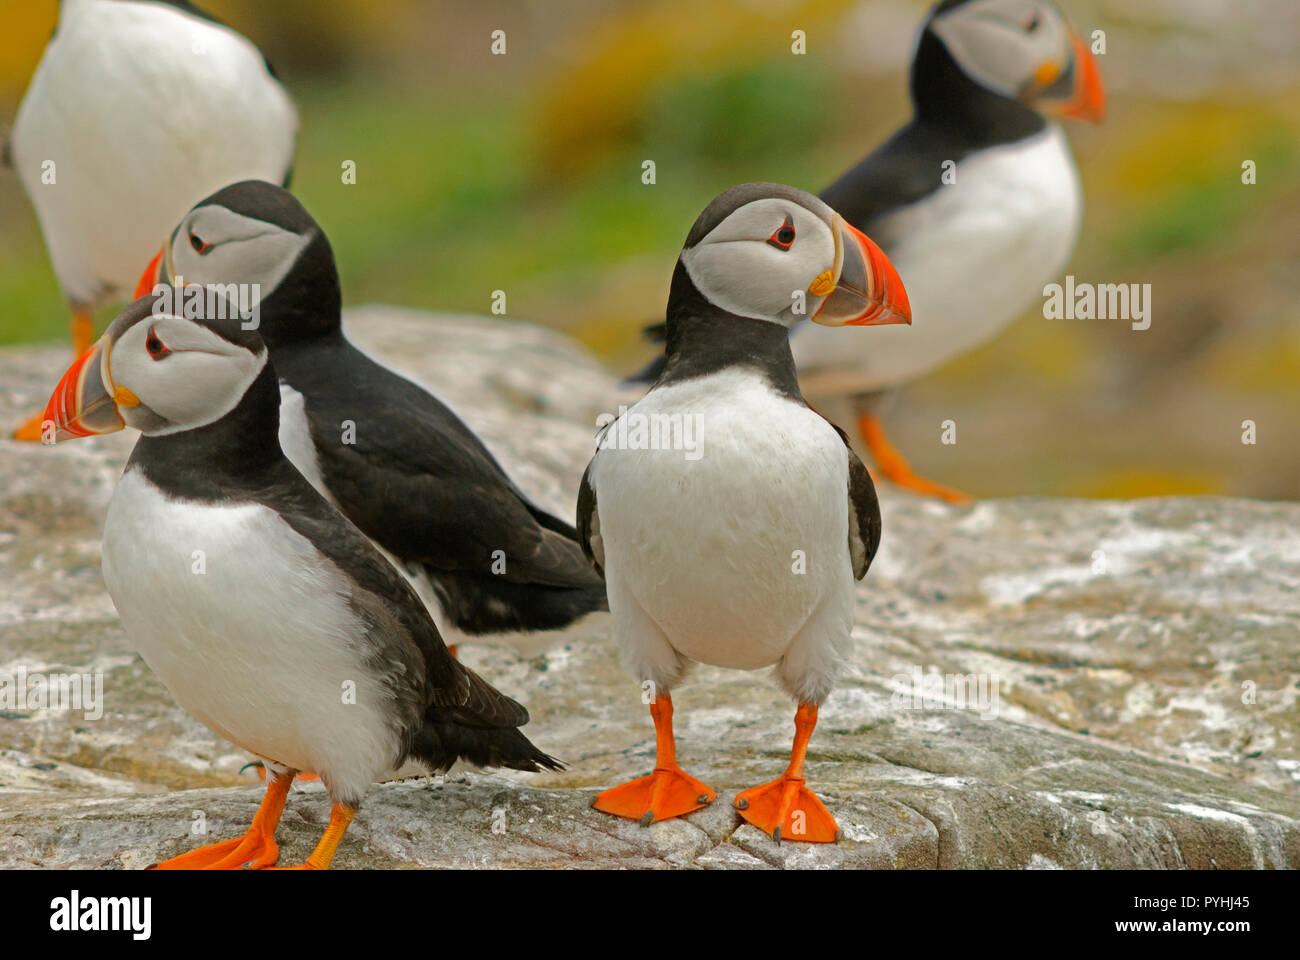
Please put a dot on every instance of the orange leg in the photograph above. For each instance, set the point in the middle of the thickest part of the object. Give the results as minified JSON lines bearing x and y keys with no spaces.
{"x":666,"y":793}
{"x":83,"y":329}
{"x":323,"y":855}
{"x":894,"y":467}
{"x":785,"y":809}
{"x":255,"y":849}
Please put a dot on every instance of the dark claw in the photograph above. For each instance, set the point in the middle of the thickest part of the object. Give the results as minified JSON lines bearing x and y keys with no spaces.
{"x":742,"y":804}
{"x":647,"y":818}
{"x":704,"y":798}
{"x":776,"y":834}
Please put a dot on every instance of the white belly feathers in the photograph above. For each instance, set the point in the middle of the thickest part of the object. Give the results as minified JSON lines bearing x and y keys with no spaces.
{"x":730,"y":557}
{"x":214,"y":596}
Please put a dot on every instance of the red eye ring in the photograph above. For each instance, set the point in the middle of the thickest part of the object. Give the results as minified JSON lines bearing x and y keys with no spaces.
{"x":197,"y":244}
{"x":783,"y":236}
{"x":157,"y":349}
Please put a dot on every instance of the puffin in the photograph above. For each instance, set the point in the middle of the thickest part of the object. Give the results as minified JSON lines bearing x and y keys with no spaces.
{"x":744,"y":554}
{"x":977,"y":201}
{"x":267,"y":614}
{"x":491,"y":565}
{"x":136,"y":110}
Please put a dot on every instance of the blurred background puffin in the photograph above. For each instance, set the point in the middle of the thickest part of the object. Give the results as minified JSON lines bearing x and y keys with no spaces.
{"x":137,"y":109}
{"x":976,"y":201}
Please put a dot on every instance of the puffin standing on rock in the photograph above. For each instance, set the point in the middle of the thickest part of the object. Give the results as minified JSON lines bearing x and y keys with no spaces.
{"x":745,"y":554}
{"x":293,"y":637}
{"x":490,"y":564}
{"x":977,"y":201}
{"x":136,"y":110}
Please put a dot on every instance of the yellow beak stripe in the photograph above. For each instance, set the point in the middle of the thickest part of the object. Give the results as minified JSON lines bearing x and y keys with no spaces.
{"x":823,"y":285}
{"x":1047,"y":73}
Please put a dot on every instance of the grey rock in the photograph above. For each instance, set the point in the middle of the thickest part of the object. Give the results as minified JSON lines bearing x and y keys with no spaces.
{"x":1143,"y":656}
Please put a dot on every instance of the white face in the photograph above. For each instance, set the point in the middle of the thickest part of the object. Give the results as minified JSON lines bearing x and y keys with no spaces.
{"x":183,"y":375}
{"x":214,"y":245}
{"x":1013,"y":47}
{"x":755,"y":262}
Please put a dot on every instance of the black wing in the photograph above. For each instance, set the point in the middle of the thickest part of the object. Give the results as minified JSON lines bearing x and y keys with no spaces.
{"x":906,"y":168}
{"x":864,"y":512}
{"x":421,"y":484}
{"x":589,"y":522}
{"x":397,"y":622}
{"x":446,"y":711}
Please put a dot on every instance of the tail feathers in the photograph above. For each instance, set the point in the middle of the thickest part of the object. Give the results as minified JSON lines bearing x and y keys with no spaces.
{"x":548,"y":521}
{"x":441,"y":742}
{"x":647,"y":374}
{"x":478,"y":604}
{"x":652,"y":333}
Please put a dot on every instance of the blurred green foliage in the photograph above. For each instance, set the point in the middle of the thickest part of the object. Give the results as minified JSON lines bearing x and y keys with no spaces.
{"x":1211,"y":208}
{"x":757,"y":115}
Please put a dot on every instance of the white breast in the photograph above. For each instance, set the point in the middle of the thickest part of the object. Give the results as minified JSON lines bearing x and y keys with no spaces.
{"x":249,"y":628}
{"x":704,"y":554}
{"x":296,"y":440}
{"x":973,"y":256}
{"x":144,"y":110}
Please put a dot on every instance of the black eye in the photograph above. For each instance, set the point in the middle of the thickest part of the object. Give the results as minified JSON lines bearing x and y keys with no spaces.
{"x":198,"y":245}
{"x":1032,"y":25}
{"x":783,"y":236}
{"x":157,"y":349}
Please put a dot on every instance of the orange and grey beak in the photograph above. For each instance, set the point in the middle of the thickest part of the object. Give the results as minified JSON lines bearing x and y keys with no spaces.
{"x":863,"y":289}
{"x":152,"y":275}
{"x":83,"y":405}
{"x":1083,"y":98}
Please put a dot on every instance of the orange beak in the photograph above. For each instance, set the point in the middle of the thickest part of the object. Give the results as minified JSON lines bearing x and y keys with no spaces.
{"x":151,"y":276}
{"x":868,"y":291}
{"x":82,"y":405}
{"x":1088,"y":97}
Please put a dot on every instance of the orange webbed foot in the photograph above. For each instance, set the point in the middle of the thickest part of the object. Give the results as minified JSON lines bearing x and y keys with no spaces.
{"x":30,"y":432}
{"x":786,"y":809}
{"x":668,"y":792}
{"x":917,"y":484}
{"x":202,"y":858}
{"x":254,"y":850}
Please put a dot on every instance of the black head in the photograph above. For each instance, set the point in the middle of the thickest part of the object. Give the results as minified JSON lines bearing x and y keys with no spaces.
{"x":989,"y":66}
{"x":164,"y":366}
{"x":773,"y":253}
{"x":261,"y":249}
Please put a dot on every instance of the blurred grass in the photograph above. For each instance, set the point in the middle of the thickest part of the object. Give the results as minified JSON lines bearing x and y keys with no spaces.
{"x":1210,"y":206}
